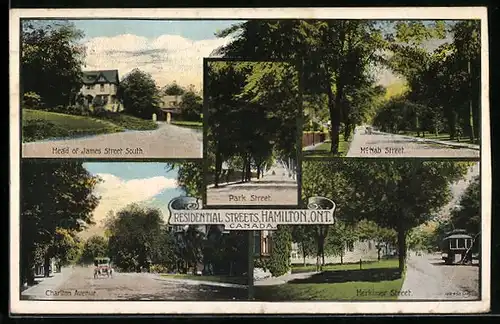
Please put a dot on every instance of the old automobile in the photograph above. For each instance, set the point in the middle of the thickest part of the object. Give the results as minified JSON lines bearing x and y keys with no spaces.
{"x":102,"y":267}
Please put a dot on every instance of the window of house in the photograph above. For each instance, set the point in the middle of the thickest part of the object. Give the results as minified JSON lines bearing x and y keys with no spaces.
{"x":461,"y":243}
{"x":102,"y":87}
{"x":89,"y":87}
{"x":350,"y":246}
{"x":453,"y":244}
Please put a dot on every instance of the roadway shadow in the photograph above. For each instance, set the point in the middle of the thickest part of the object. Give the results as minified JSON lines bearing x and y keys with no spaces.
{"x":339,"y":276}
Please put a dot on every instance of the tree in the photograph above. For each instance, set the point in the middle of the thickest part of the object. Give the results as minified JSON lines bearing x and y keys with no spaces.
{"x":95,"y":246}
{"x":173,"y":89}
{"x":51,"y":60}
{"x":56,"y":196}
{"x":468,"y":214}
{"x":135,"y":237}
{"x":401,"y":195}
{"x":191,"y":106}
{"x":139,"y":94}
{"x":369,"y":230}
{"x":332,"y":54}
{"x":66,"y":247}
{"x":279,"y":261}
{"x":302,"y":235}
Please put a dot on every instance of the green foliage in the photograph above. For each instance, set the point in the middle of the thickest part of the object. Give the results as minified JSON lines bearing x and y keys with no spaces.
{"x":253,"y":114}
{"x":279,"y":261}
{"x":95,"y":246}
{"x":135,"y":235}
{"x":395,"y":194}
{"x":129,"y":122}
{"x":139,"y":94}
{"x":51,"y":60}
{"x":65,"y":246}
{"x":173,"y":89}
{"x":58,"y":197}
{"x":468,"y":214}
{"x":191,"y":106}
{"x":32,"y":100}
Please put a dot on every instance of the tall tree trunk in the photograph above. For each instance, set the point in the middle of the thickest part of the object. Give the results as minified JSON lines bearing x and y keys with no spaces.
{"x":243,"y":169}
{"x":218,"y":167}
{"x":347,"y":131}
{"x":401,"y":247}
{"x":334,"y":120}
{"x":46,"y":264}
{"x":471,"y":114}
{"x":258,"y":171}
{"x":248,"y":170}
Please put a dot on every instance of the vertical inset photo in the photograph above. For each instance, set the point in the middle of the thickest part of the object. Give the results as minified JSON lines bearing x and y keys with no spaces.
{"x":252,"y":117}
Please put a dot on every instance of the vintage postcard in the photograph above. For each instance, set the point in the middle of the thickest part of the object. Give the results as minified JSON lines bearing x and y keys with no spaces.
{"x":236,"y":161}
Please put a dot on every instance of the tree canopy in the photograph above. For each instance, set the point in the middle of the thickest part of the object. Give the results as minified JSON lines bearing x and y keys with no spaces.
{"x":51,"y":61}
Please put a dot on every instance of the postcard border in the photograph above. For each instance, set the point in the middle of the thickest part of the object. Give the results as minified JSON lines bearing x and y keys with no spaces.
{"x":18,"y":307}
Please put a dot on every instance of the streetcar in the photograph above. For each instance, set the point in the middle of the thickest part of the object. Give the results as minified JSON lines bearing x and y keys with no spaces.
{"x":457,"y":247}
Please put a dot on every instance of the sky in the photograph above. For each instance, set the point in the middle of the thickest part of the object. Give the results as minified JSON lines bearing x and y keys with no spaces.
{"x":168,"y":50}
{"x":148,"y":184}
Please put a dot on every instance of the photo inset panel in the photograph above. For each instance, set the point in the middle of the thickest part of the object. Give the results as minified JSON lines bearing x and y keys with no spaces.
{"x":404,"y":230}
{"x":413,"y":96}
{"x":252,"y":120}
{"x":86,"y":93}
{"x":101,"y":231}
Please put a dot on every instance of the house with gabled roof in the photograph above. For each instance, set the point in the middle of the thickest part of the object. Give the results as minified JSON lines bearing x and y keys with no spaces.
{"x":100,"y":89}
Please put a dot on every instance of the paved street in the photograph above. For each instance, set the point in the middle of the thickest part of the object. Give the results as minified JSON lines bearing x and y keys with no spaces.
{"x":428,"y":278}
{"x":168,"y":141}
{"x":271,"y":189}
{"x":380,"y":144}
{"x":79,"y":284}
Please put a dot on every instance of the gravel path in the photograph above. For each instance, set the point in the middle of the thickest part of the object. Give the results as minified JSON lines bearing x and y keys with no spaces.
{"x":277,"y":189}
{"x":429,"y":278}
{"x":79,"y":284}
{"x":380,"y":144}
{"x":168,"y":141}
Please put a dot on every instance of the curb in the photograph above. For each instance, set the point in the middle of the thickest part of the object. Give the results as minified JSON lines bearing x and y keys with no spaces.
{"x":419,"y":139}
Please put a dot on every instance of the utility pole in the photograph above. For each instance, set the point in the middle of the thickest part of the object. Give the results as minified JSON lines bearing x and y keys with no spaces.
{"x":251,"y":243}
{"x":471,"y":115}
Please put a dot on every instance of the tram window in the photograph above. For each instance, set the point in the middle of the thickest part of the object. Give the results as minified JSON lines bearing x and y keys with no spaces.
{"x":453,"y":244}
{"x":461,"y":243}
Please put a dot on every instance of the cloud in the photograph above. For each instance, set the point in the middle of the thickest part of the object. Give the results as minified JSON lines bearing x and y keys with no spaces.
{"x":117,"y":193}
{"x":167,"y":58}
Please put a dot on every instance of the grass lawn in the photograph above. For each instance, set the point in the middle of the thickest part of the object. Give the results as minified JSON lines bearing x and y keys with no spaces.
{"x":439,"y":137}
{"x":225,"y":279}
{"x":131,"y":122}
{"x":388,"y":263}
{"x":38,"y":125}
{"x":375,"y":281}
{"x":189,"y":124}
{"x":323,"y":150}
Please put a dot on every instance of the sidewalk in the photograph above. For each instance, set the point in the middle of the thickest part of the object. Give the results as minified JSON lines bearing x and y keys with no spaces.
{"x":50,"y":283}
{"x":273,"y":281}
{"x":430,"y":140}
{"x":312,"y":147}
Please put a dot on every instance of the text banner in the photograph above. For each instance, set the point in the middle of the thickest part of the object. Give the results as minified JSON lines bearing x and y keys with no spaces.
{"x":187,"y":211}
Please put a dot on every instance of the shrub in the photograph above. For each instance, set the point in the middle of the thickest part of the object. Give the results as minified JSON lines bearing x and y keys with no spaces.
{"x":279,"y":261}
{"x":157,"y":268}
{"x":38,"y":129}
{"x":32,"y":100}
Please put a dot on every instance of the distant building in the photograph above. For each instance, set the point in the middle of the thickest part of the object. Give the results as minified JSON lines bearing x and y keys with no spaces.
{"x":365,"y":250}
{"x":169,"y":105}
{"x":100,"y":89}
